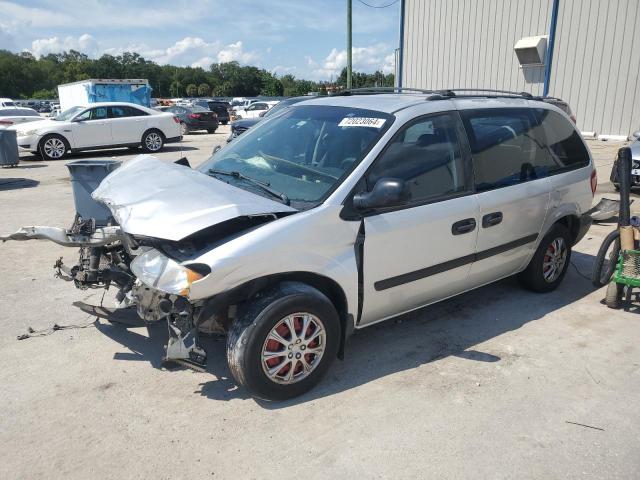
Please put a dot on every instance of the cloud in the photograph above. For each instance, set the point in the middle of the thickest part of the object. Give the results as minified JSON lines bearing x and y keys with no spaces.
{"x":365,"y":59}
{"x":234,"y":53}
{"x":85,"y":43}
{"x":193,"y":51}
{"x":6,"y":39}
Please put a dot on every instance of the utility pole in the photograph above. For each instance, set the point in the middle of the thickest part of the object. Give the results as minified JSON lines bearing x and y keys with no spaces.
{"x":349,"y":64}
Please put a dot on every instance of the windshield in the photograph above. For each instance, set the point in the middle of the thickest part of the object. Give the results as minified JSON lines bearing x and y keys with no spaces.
{"x":69,"y":113}
{"x":302,"y":153}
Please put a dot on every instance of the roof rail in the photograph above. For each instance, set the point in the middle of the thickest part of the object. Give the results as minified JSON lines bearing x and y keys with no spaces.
{"x":477,"y":92}
{"x":374,"y":90}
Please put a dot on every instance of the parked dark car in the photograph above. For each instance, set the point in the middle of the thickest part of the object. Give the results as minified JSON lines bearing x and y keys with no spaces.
{"x":240,"y":126}
{"x":195,"y":118}
{"x":221,"y":109}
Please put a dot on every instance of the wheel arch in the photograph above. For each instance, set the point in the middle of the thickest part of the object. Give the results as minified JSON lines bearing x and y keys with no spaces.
{"x":327,"y":286}
{"x":153,"y":129}
{"x":64,"y":138}
{"x":572,"y":223}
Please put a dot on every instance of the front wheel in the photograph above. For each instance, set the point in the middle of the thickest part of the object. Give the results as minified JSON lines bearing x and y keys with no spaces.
{"x":548,"y":265}
{"x":152,"y":141}
{"x":211,"y":130}
{"x":53,"y":147}
{"x":283,"y":341}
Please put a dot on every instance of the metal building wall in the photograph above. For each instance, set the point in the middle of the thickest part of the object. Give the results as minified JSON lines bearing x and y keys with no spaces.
{"x":596,"y":66}
{"x":469,"y":44}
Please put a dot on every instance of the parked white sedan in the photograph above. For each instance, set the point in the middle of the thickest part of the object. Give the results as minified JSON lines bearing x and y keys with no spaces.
{"x":14,"y":115}
{"x":255,"y":110}
{"x":99,"y":126}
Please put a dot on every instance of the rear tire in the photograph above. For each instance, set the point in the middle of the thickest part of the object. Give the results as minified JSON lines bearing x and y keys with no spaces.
{"x":307,"y":353}
{"x":53,"y":147}
{"x":152,"y":141}
{"x":549,"y":264}
{"x":211,"y":130}
{"x":613,"y":297}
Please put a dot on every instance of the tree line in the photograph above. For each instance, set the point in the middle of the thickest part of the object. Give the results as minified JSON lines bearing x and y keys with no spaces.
{"x":23,"y":76}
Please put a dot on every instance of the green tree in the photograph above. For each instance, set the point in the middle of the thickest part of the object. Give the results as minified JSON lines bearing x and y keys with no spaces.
{"x":204,"y":89}
{"x":175,"y":89}
{"x":44,"y":94}
{"x":192,"y":90}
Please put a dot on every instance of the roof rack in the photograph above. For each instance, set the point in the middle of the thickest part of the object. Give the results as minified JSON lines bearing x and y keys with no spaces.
{"x":374,"y":90}
{"x":443,"y":94}
{"x":477,"y":92}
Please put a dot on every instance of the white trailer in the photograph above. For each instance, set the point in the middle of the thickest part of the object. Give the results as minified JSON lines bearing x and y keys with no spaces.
{"x":85,"y":92}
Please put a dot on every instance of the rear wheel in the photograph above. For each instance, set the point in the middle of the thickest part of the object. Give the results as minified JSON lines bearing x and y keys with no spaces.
{"x":283,"y":341}
{"x":549,"y":264}
{"x":211,"y":130}
{"x":152,"y":141}
{"x":53,"y":147}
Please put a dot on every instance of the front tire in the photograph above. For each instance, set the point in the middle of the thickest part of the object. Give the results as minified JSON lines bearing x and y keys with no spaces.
{"x":211,"y":130}
{"x":152,"y":141}
{"x":53,"y":147}
{"x":549,"y":264}
{"x":283,"y":341}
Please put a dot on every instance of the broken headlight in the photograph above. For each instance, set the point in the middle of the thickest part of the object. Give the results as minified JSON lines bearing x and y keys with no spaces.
{"x":165,"y":274}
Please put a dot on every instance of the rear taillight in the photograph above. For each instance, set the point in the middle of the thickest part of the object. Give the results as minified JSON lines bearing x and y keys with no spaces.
{"x":176,"y":119}
{"x":594,"y":181}
{"x":6,"y":122}
{"x":194,"y":115}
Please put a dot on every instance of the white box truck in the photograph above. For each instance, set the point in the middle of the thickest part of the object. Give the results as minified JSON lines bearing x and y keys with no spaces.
{"x":86,"y":92}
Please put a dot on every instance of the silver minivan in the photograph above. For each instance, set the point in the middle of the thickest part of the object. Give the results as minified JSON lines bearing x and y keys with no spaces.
{"x":335,"y":214}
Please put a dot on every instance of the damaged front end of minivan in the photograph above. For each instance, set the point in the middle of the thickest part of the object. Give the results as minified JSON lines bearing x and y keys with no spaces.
{"x":163,"y":216}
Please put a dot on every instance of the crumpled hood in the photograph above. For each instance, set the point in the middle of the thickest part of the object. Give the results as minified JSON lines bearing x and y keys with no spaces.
{"x":164,"y":200}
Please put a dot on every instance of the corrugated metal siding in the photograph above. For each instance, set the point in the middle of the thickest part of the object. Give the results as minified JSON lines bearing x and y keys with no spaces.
{"x":469,"y":44}
{"x":595,"y":65}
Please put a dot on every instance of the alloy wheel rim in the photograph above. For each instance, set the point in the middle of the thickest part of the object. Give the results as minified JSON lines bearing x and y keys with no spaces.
{"x":554,"y":260}
{"x":54,"y":148}
{"x":293,"y":348}
{"x":153,"y":142}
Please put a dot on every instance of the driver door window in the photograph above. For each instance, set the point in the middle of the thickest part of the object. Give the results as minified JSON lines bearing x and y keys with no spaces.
{"x":428,"y":156}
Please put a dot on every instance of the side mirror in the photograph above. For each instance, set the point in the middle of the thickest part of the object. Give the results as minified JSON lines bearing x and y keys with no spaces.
{"x":387,"y":192}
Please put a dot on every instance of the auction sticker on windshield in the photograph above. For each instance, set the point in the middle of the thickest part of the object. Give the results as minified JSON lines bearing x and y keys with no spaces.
{"x":362,"y":122}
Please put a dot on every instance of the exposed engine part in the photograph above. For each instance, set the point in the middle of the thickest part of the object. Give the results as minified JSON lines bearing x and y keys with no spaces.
{"x":153,"y":305}
{"x":99,"y":267}
{"x":182,"y":346}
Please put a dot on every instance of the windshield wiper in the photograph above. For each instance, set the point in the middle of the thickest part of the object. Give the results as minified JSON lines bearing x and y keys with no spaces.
{"x":262,"y":185}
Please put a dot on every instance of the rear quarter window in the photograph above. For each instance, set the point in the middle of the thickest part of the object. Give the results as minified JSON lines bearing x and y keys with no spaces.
{"x":565,"y":145}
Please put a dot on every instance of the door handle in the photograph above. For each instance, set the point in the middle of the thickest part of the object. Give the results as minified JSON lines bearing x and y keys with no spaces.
{"x":463,"y":226}
{"x":491,"y":219}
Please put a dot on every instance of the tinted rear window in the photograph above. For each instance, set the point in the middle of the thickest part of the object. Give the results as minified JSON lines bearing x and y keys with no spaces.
{"x":507,"y":147}
{"x":565,"y":144}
